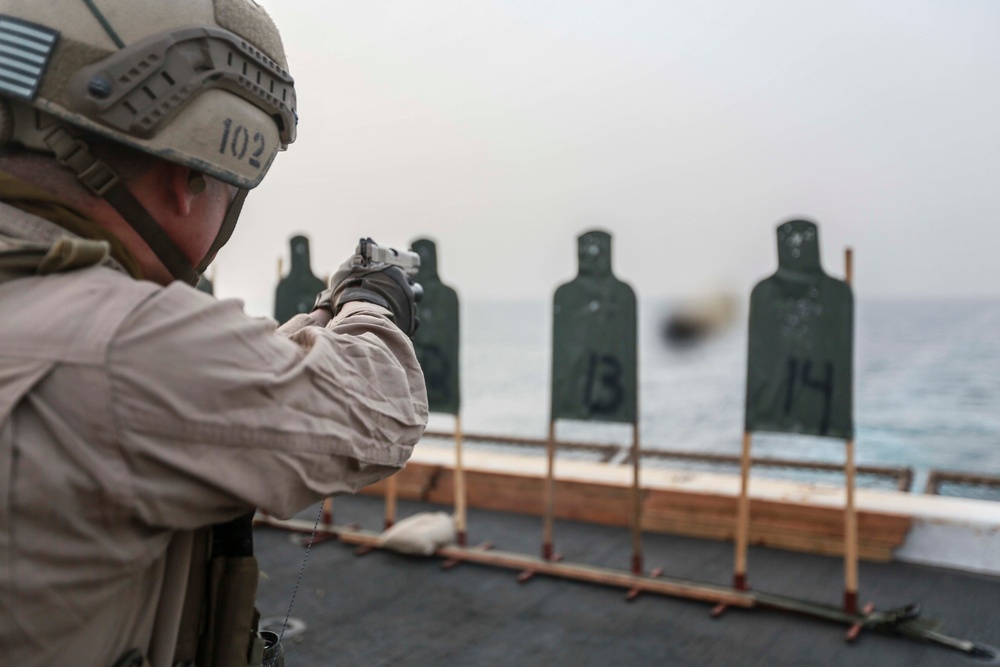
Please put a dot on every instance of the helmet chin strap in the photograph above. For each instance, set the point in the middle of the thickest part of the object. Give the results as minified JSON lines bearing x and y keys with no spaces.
{"x":76,"y":155}
{"x":226,"y":230}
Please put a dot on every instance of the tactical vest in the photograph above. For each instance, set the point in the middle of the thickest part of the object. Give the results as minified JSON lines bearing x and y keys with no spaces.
{"x":219,"y":623}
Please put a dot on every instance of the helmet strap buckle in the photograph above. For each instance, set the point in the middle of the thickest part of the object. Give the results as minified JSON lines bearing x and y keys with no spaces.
{"x":75,"y":155}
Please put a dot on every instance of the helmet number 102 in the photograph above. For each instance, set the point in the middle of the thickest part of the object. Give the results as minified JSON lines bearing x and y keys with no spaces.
{"x":236,"y":140}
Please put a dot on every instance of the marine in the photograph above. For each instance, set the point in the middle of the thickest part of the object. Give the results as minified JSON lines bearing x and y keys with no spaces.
{"x":136,"y":413}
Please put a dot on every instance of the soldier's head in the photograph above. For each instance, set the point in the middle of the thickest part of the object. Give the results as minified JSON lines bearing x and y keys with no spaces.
{"x":158,"y":115}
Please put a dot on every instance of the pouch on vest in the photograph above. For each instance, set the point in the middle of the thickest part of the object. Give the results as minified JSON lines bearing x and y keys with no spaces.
{"x":229,"y":636}
{"x":20,"y":259}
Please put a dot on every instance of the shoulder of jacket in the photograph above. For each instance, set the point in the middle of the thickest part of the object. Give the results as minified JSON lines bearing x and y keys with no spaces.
{"x":70,"y":315}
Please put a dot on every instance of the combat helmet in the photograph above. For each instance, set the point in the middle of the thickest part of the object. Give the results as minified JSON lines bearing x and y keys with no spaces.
{"x":201,"y":83}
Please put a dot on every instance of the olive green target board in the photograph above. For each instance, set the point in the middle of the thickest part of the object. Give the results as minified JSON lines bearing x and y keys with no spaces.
{"x":594,"y":367}
{"x":436,"y":344}
{"x":594,"y":340}
{"x":800,"y":356}
{"x":296,"y":292}
{"x":436,"y":339}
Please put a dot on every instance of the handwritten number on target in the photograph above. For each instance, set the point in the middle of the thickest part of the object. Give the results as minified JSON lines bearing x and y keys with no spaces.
{"x":604,"y":391}
{"x":823,"y":384}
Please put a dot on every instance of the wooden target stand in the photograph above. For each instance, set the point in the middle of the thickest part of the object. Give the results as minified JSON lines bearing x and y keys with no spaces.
{"x":549,"y":555}
{"x":740,"y":583}
{"x":461,"y":518}
{"x":891,"y":621}
{"x":635,"y":582}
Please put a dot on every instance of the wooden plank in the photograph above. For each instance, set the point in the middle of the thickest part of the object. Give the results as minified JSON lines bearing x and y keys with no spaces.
{"x":809,"y":517}
{"x":880,"y":551}
{"x":785,"y":525}
{"x":726,"y":525}
{"x":778,"y":524}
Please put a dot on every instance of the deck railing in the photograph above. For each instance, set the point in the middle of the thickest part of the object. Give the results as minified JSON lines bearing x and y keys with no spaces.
{"x":900,"y":477}
{"x":962,"y":484}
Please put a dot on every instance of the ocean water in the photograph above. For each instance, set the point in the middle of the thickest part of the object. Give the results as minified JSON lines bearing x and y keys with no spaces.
{"x":927,"y":386}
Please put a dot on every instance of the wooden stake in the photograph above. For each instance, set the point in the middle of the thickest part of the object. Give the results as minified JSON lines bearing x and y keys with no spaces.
{"x":460,"y":519}
{"x":549,"y":495}
{"x":850,"y":538}
{"x":850,"y":514}
{"x":743,"y":517}
{"x":328,"y":511}
{"x":636,"y":518}
{"x":391,"y":494}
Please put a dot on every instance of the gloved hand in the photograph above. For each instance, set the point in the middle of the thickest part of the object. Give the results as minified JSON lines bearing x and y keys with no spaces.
{"x":379,"y":283}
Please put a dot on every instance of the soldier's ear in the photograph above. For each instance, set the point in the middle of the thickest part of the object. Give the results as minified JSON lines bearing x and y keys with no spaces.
{"x":183,"y":185}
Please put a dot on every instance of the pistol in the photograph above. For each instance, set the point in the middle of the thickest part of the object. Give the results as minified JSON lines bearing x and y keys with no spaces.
{"x":369,"y":252}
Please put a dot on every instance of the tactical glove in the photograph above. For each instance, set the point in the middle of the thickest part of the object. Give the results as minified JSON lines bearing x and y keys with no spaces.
{"x":382,"y":284}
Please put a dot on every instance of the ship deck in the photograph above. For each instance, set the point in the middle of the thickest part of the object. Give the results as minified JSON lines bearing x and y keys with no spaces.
{"x":386,"y":608}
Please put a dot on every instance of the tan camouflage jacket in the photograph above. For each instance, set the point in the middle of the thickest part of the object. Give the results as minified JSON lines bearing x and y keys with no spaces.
{"x":131,"y":414}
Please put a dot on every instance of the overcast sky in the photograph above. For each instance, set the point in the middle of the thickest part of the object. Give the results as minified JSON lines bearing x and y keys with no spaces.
{"x":688,"y":130}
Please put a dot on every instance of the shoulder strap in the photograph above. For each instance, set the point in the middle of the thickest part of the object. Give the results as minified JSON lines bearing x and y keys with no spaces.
{"x":19,"y":259}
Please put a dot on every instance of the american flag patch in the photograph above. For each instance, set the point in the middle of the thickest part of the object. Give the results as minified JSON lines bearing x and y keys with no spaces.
{"x":24,"y":53}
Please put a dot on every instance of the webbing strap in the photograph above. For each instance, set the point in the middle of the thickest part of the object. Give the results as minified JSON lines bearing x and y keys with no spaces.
{"x":101,"y":179}
{"x":143,"y":223}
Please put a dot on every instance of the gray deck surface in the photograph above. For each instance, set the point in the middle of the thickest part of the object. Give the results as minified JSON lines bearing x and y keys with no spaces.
{"x":388,"y":609}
